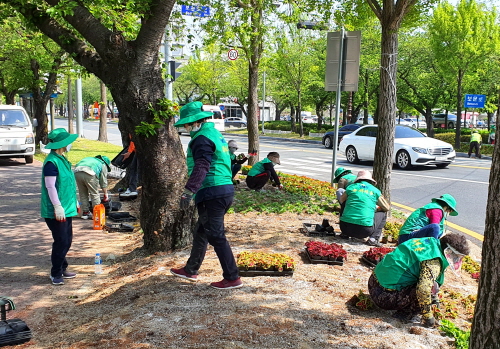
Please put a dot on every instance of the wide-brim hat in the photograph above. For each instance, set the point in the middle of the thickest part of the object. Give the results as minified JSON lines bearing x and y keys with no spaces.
{"x":339,"y":172}
{"x":60,"y":138}
{"x":449,"y":201}
{"x":106,"y":161}
{"x":232,"y":144}
{"x":275,"y":157}
{"x":192,"y":112}
{"x":365,"y":175}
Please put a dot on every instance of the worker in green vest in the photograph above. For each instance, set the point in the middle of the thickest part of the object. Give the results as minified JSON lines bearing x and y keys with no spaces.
{"x":407,"y":280}
{"x":263,"y":171}
{"x":343,"y":178}
{"x":59,"y":203}
{"x":91,"y":173}
{"x":475,"y":143}
{"x":211,"y":187}
{"x":429,"y":220}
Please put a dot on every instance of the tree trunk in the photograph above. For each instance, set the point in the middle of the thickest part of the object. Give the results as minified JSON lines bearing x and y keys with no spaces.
{"x":299,"y":114}
{"x":70,"y":107}
{"x":384,"y":146}
{"x":428,"y":120}
{"x":293,"y":127}
{"x":486,"y":323}
{"x":459,"y":109}
{"x":103,"y":119}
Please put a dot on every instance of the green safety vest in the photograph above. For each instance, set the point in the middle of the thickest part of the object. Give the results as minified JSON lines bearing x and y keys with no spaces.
{"x":94,"y":163}
{"x":220,"y":167}
{"x":258,"y":167}
{"x":65,"y":186}
{"x":350,"y":178}
{"x":475,"y":137}
{"x":418,"y":219}
{"x":401,"y":268}
{"x":361,"y":204}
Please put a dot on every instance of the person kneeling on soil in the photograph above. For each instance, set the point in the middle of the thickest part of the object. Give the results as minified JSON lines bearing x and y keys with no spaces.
{"x":236,"y":160}
{"x":428,"y":220}
{"x":408,"y":279}
{"x":262,"y":171}
{"x":343,"y":178}
{"x":90,"y":174}
{"x":365,"y":210}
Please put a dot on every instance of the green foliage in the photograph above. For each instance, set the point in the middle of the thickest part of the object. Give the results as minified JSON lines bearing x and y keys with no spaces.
{"x":392,"y":230}
{"x":165,"y":109}
{"x":461,"y":336}
{"x":83,"y":148}
{"x":287,"y":126}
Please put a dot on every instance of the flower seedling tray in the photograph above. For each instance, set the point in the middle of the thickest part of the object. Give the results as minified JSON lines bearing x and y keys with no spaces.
{"x":369,"y":261}
{"x":251,"y":273}
{"x":118,"y":227}
{"x":322,"y":261}
{"x":310,"y":230}
{"x":121,"y":217}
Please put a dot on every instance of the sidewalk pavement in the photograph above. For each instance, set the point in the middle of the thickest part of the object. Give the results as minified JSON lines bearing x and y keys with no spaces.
{"x":26,"y":242}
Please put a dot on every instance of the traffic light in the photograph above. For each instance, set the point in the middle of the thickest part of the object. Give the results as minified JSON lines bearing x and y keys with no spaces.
{"x":172,"y":67}
{"x":311,"y":25}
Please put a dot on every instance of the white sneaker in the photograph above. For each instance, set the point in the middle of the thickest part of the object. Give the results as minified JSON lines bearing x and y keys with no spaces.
{"x":87,"y":215}
{"x":133,"y":193}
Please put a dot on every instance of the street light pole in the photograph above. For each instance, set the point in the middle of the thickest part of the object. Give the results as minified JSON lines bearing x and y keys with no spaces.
{"x":337,"y":103}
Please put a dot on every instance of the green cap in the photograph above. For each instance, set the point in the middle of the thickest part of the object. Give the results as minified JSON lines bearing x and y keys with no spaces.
{"x":339,"y":172}
{"x":60,"y":138}
{"x":106,"y":161}
{"x":192,"y":112}
{"x":449,"y":201}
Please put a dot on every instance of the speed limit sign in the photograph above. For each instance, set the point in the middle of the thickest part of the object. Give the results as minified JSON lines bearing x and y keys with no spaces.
{"x":232,"y":54}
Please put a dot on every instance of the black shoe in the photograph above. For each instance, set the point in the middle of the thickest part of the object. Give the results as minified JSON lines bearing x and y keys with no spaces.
{"x":325,"y":223}
{"x":344,"y":236}
{"x":319,"y":228}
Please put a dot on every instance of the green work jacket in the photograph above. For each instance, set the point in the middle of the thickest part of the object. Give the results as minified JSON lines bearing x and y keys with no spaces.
{"x":258,"y":167}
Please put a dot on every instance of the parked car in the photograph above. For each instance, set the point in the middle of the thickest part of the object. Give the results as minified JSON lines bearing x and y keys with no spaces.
{"x":440,"y":119}
{"x":16,"y":133}
{"x":344,"y":130}
{"x":361,"y":120}
{"x":235,"y":122}
{"x":308,"y":120}
{"x":416,"y":123}
{"x":411,"y":147}
{"x":404,"y":122}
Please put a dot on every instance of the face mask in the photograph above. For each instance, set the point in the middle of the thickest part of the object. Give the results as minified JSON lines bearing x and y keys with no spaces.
{"x":454,"y":258}
{"x":232,"y":150}
{"x":68,"y":148}
{"x":196,"y":128}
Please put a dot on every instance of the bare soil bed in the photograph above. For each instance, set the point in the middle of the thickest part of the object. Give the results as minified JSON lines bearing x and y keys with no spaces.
{"x":137,"y":303}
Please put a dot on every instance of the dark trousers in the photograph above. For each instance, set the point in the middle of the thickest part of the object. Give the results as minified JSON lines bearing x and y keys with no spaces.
{"x":259,"y":181}
{"x":474,"y":146}
{"x":133,"y":174}
{"x":361,"y":232}
{"x":403,"y":300}
{"x":430,"y":230}
{"x":210,"y":230}
{"x":235,"y":169}
{"x":62,"y":233}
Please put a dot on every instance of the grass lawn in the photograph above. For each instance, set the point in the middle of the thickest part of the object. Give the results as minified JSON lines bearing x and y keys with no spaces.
{"x":83,"y":148}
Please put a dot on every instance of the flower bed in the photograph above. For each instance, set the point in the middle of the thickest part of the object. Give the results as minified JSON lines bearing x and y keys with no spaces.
{"x":320,"y":252}
{"x":260,"y":261}
{"x":375,"y":254}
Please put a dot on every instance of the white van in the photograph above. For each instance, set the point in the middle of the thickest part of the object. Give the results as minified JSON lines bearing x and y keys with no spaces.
{"x":217,"y":118}
{"x":16,"y":133}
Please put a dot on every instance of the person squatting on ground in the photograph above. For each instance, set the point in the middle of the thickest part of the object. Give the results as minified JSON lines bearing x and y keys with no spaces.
{"x":343,"y":178}
{"x":90,"y":174}
{"x":475,"y":143}
{"x":236,"y":160}
{"x":209,"y":170}
{"x":408,"y":279}
{"x":262,"y":171}
{"x":59,"y":203}
{"x":132,"y":170}
{"x":428,"y":220}
{"x":365,"y":210}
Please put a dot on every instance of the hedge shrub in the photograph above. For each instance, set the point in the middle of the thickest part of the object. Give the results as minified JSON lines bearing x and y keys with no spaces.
{"x":287,"y":126}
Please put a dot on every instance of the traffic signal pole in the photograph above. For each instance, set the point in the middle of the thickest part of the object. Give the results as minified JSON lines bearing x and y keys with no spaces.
{"x":337,"y":104}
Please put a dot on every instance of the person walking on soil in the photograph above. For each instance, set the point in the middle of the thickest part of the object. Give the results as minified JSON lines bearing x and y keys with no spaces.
{"x":90,"y":174}
{"x":236,"y":160}
{"x":365,"y":210}
{"x":408,"y":279}
{"x":210,"y":185}
{"x":429,"y":220}
{"x":475,"y":143}
{"x":59,"y":203}
{"x":262,"y":171}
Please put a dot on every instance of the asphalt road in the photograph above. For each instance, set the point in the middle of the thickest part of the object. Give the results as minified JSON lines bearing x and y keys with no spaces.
{"x":467,"y":179}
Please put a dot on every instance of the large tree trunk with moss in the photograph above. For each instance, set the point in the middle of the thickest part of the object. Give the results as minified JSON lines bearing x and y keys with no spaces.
{"x":132,"y":72}
{"x":486,"y":324}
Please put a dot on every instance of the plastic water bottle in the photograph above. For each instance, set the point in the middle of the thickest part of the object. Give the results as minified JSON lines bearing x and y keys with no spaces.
{"x":98,"y":263}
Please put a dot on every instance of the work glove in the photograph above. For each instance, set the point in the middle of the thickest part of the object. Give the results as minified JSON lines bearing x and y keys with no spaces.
{"x":186,"y":198}
{"x":106,"y":198}
{"x":59,"y":213}
{"x":280,"y":186}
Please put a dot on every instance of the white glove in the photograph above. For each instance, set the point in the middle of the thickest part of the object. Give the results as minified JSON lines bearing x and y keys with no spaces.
{"x":280,"y":186}
{"x":59,"y":213}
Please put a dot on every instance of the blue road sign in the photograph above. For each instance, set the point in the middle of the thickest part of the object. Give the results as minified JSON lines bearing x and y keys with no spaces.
{"x":474,"y":101}
{"x":195,"y":10}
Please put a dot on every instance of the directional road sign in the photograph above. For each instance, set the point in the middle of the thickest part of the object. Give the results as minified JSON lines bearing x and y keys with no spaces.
{"x":474,"y":101}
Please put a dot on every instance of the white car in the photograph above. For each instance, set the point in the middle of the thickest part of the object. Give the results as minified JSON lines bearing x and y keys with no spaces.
{"x":416,"y":123}
{"x":16,"y":133}
{"x":411,"y":147}
{"x":361,"y":120}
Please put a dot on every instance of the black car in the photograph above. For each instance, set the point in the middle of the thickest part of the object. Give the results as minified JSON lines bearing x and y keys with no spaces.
{"x":344,"y":130}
